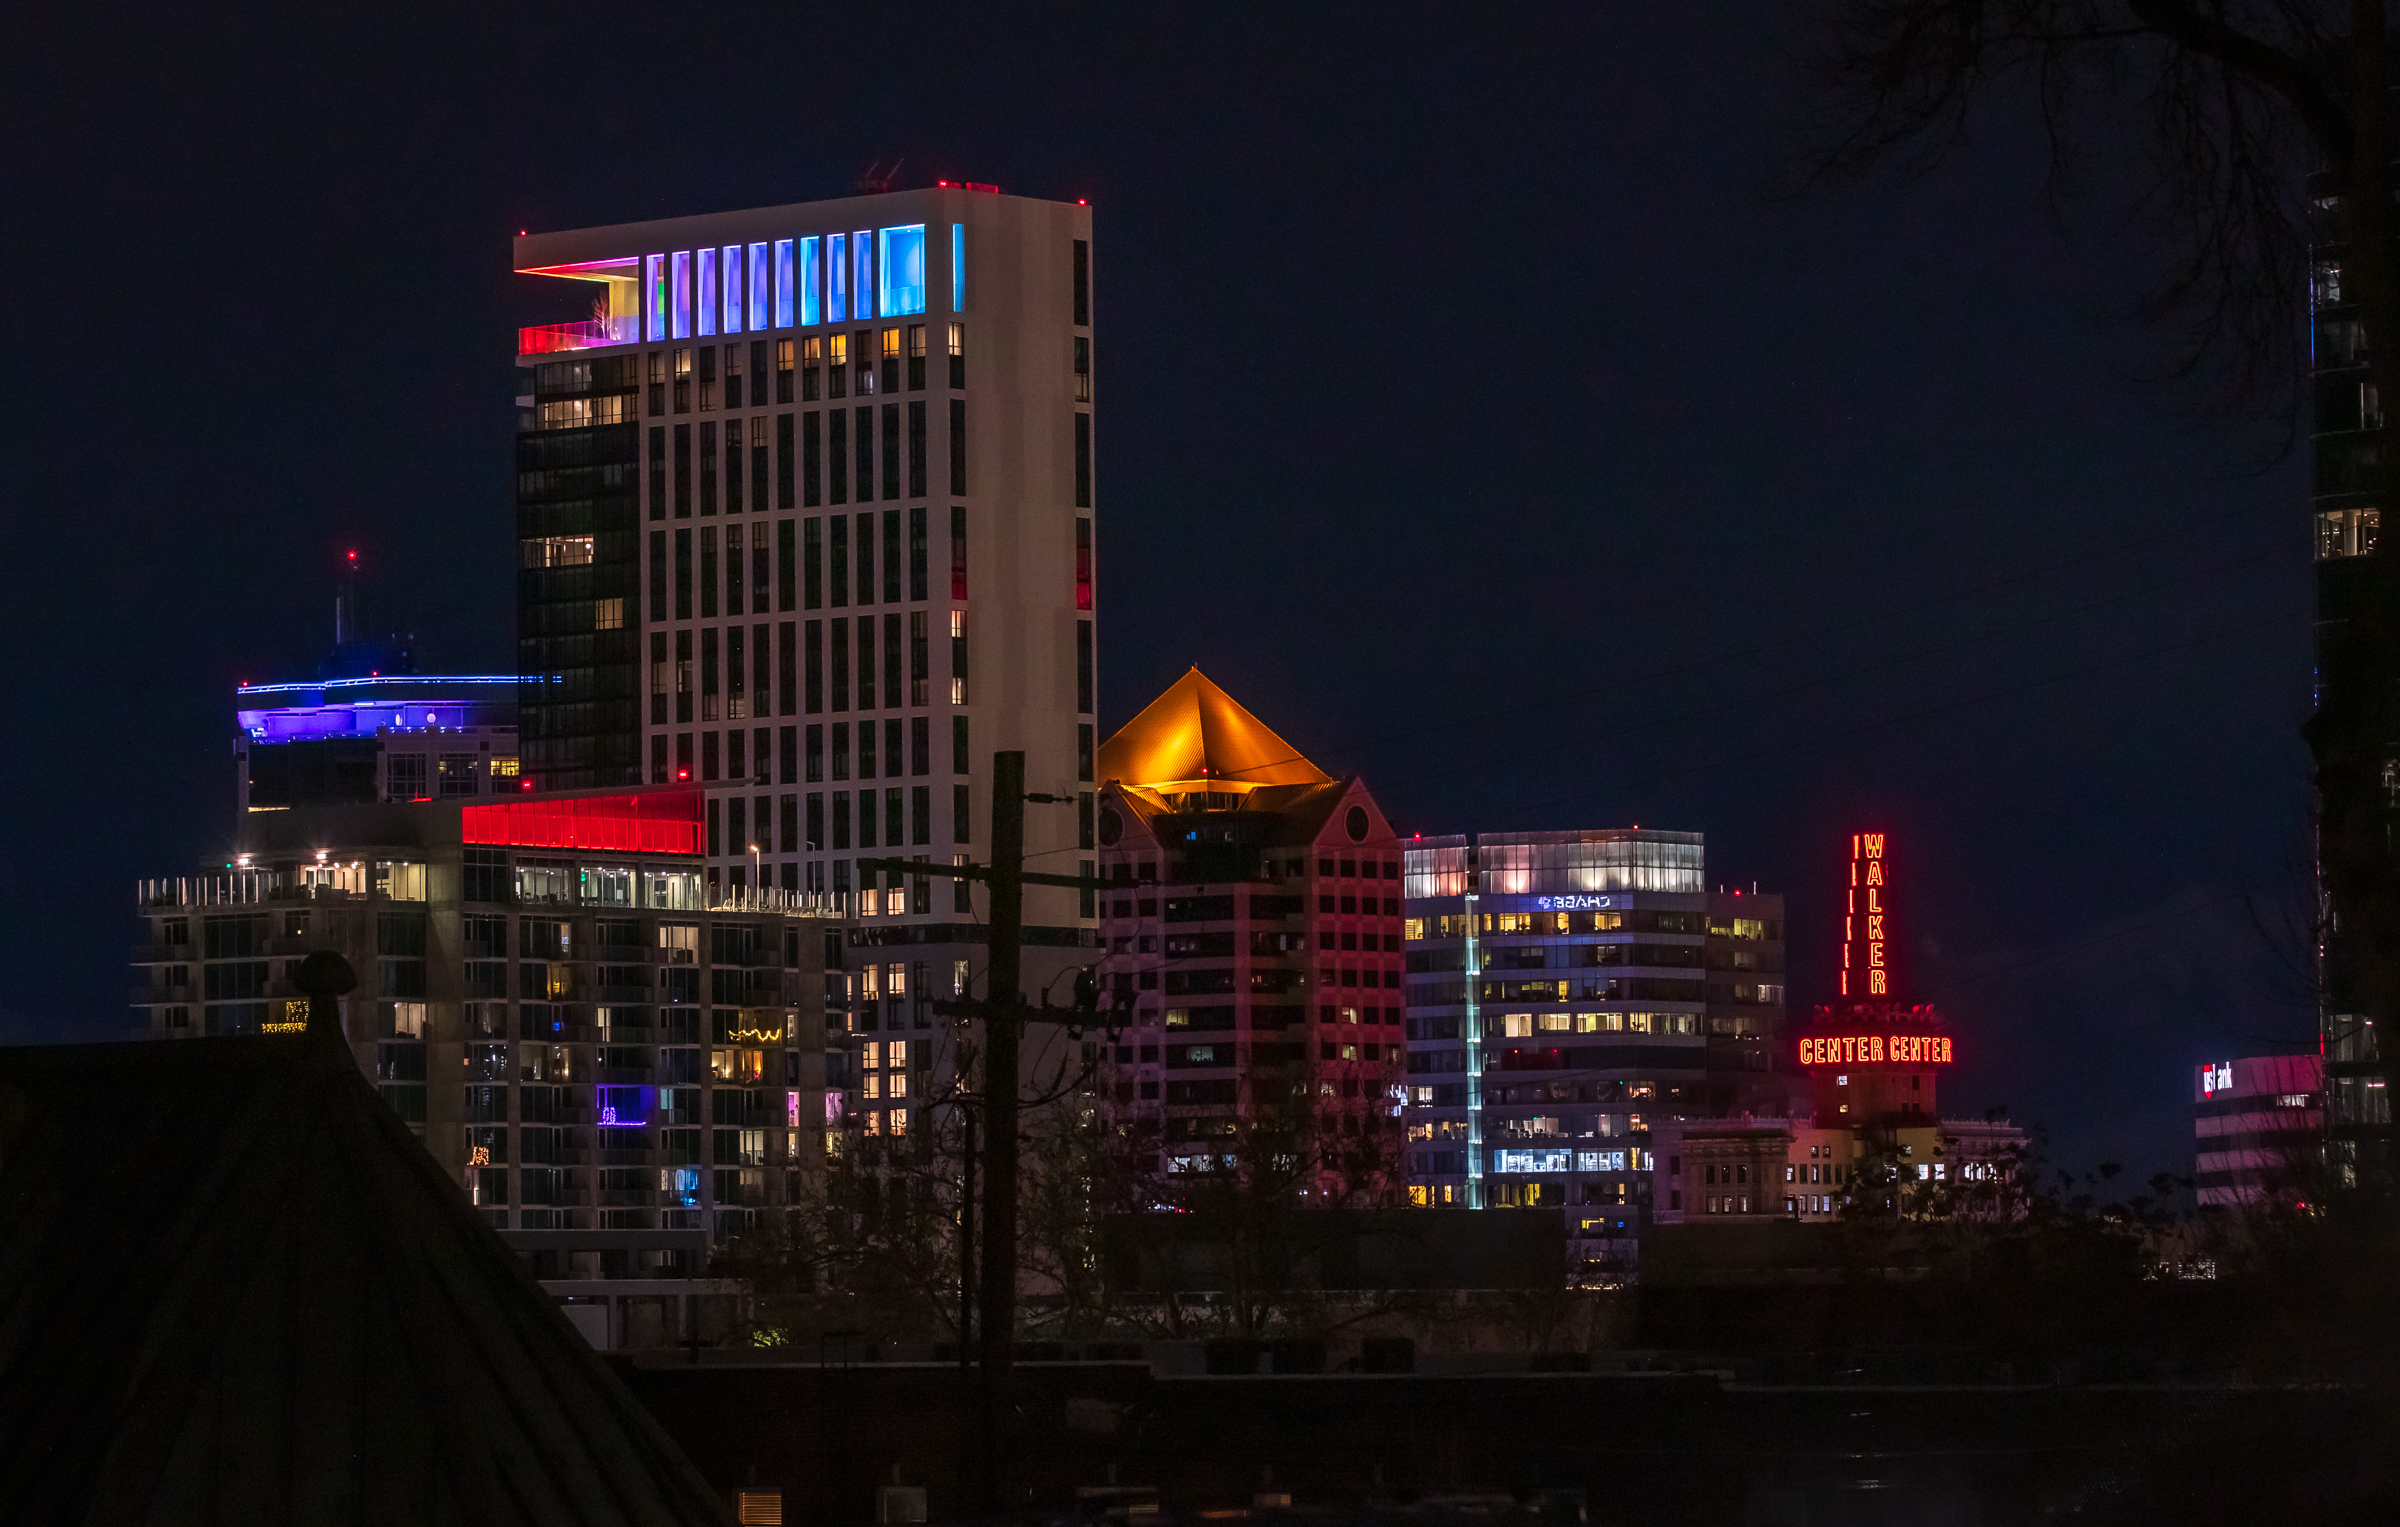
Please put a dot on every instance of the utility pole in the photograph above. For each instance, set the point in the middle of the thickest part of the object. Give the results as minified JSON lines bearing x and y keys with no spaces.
{"x":1004,"y":1000}
{"x":1004,"y":1014}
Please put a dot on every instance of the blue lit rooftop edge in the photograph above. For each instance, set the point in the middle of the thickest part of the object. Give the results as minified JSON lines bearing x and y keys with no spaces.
{"x":396,"y":678}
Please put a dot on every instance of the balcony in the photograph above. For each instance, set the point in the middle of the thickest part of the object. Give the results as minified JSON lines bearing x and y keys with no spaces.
{"x":555,"y":338}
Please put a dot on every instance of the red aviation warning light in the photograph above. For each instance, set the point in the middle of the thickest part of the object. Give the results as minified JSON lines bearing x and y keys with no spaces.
{"x":1866,"y":919}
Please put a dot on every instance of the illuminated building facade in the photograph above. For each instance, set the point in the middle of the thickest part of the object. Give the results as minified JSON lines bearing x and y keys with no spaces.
{"x":581,"y":1034}
{"x":369,"y":727}
{"x":1252,"y":929}
{"x":1866,"y":1121}
{"x":2346,"y":434}
{"x":2259,"y":1130}
{"x":806,"y":520}
{"x":1566,"y":992}
{"x":386,"y":738}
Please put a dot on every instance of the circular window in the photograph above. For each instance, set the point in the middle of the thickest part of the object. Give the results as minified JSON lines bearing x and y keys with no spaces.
{"x":1112,"y":827}
{"x":1356,"y":822}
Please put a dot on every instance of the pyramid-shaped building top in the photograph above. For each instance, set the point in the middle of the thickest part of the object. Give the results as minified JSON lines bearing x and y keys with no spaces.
{"x":1195,"y":738}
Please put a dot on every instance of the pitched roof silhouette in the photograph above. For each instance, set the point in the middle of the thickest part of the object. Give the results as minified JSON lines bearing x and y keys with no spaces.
{"x":1195,"y":735}
{"x":234,"y":1287}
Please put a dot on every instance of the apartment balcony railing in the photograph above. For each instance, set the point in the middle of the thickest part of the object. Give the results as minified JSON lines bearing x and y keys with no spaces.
{"x":553,"y":338}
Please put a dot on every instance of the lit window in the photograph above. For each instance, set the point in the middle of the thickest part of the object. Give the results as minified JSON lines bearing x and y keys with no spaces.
{"x":1554,"y":1023}
{"x":1516,"y":1025}
{"x":900,"y":257}
{"x":862,"y":275}
{"x":679,"y":295}
{"x":958,"y":271}
{"x":733,"y":289}
{"x":654,"y":296}
{"x":837,"y":278}
{"x":2347,"y":533}
{"x":708,"y":291}
{"x":781,"y":281}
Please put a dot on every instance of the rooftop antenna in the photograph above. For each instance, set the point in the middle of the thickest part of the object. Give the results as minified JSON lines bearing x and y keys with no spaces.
{"x":345,"y":599}
{"x":878,"y":180}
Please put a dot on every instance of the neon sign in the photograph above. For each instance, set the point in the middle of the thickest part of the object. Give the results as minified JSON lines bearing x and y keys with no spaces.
{"x":1866,"y":921}
{"x":2217,"y":1078}
{"x":1570,"y":903}
{"x":1877,"y":1049}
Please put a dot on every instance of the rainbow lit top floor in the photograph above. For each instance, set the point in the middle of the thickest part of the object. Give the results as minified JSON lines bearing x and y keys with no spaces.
{"x":361,"y":707}
{"x":754,"y":272}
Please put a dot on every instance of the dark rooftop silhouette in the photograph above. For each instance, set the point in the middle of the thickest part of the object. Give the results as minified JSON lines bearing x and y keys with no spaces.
{"x":234,"y":1287}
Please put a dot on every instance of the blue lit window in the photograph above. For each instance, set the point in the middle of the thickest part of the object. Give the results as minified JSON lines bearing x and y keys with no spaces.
{"x":654,"y":292}
{"x":708,"y":291}
{"x":758,"y":286}
{"x":626,"y":1107}
{"x":679,"y":296}
{"x":837,"y":278}
{"x":958,"y":267}
{"x":783,"y":282}
{"x":733,"y":288}
{"x":900,"y":281}
{"x":862,"y":272}
{"x":812,"y":285}
{"x":682,"y":1184}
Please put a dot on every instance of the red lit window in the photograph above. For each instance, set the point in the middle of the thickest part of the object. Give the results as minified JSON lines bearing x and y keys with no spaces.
{"x":958,"y":553}
{"x":655,"y":822}
{"x":1083,"y":564}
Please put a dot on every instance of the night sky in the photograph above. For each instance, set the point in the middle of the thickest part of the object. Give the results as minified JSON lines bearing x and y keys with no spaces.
{"x":1472,"y":403}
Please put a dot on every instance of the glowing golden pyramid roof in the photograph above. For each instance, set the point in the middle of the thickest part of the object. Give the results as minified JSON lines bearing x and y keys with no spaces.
{"x":1195,"y":737}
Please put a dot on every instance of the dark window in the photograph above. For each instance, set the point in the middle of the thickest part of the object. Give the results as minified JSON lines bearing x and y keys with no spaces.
{"x":1083,"y":283}
{"x":1083,"y":461}
{"x":783,"y":462}
{"x":708,"y":571}
{"x":658,"y":471}
{"x":958,"y":445}
{"x":920,"y":745}
{"x":812,"y":468}
{"x":891,"y":556}
{"x":784,"y":737}
{"x":920,"y":813}
{"x":916,"y":552}
{"x":733,"y":457}
{"x":920,"y":658}
{"x":816,"y":755}
{"x":760,"y":705}
{"x":916,"y":357}
{"x":837,"y":455}
{"x":958,"y":745}
{"x":866,"y":453}
{"x":816,"y":669}
{"x":658,"y":575}
{"x":891,"y":451}
{"x":783,"y":564}
{"x":683,"y":575}
{"x":841,"y":750}
{"x":958,"y":553}
{"x":683,"y":471}
{"x":866,"y":557}
{"x":838,"y":559}
{"x":838,"y":663}
{"x":708,"y":458}
{"x":1083,"y":666}
{"x":816,"y":822}
{"x":958,"y":815}
{"x":683,"y":680}
{"x":758,"y":371}
{"x":1083,"y":751}
{"x":891,"y":661}
{"x":758,"y":462}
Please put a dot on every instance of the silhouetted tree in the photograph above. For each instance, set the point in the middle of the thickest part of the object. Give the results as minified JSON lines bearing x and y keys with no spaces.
{"x":2207,"y":118}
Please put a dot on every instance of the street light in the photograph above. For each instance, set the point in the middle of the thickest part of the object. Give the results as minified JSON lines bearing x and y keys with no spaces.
{"x":757,"y":883}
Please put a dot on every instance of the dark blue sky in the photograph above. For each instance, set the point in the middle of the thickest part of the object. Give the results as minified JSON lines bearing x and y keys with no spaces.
{"x":1469,"y":406}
